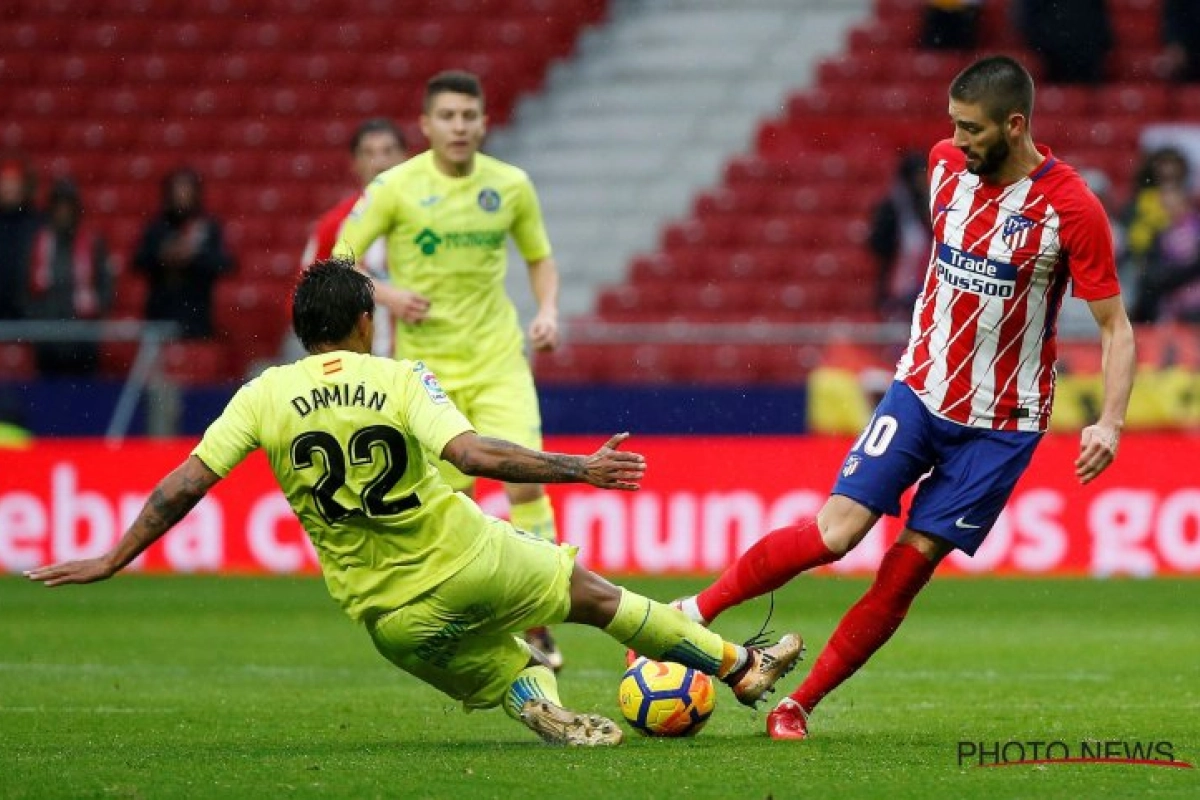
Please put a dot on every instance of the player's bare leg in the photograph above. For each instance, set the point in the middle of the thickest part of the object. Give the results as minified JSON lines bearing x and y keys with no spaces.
{"x":660,"y":632}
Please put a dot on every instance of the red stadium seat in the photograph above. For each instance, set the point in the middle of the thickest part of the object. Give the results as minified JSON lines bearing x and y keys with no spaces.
{"x":17,"y":69}
{"x":261,"y":34}
{"x":113,"y":134}
{"x":117,"y":357}
{"x":129,"y":296}
{"x":116,"y":35}
{"x":17,"y":361}
{"x":175,"y":69}
{"x":256,"y":66}
{"x":190,"y":34}
{"x":122,"y":198}
{"x":313,"y":9}
{"x":252,"y":316}
{"x":35,"y":36}
{"x":1147,"y":103}
{"x":711,"y":232}
{"x":654,"y":267}
{"x":1137,"y":29}
{"x":1185,"y":102}
{"x":1135,"y":65}
{"x":194,"y":363}
{"x":1064,"y":101}
{"x":158,"y":9}
{"x":575,"y":363}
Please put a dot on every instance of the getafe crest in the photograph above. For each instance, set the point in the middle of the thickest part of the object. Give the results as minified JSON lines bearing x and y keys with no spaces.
{"x":489,"y":200}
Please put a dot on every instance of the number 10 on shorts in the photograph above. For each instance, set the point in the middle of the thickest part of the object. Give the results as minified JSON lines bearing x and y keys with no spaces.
{"x":876,"y":437}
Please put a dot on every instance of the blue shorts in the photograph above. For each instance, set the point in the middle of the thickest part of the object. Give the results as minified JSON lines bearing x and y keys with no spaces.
{"x":971,"y":471}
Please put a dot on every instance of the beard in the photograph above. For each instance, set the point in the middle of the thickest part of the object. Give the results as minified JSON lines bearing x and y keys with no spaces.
{"x":990,"y":160}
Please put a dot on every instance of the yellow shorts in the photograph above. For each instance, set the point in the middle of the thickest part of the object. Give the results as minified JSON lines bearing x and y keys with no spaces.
{"x":459,"y":637}
{"x":505,"y":407}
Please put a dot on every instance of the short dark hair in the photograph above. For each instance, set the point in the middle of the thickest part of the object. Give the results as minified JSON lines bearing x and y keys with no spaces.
{"x":377,"y":125}
{"x":997,"y":83}
{"x":453,"y":80}
{"x":330,"y":297}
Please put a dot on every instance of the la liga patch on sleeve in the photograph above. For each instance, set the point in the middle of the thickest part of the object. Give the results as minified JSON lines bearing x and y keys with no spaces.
{"x":434,"y":389}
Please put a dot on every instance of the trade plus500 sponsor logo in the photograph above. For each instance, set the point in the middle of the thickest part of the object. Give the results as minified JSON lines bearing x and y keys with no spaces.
{"x":974,"y":274}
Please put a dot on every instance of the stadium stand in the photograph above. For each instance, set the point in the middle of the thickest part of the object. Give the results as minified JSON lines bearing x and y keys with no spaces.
{"x":260,"y":97}
{"x":780,"y":237}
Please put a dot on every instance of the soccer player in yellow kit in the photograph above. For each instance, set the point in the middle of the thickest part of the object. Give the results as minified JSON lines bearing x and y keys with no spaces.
{"x":439,"y":585}
{"x":447,"y":215}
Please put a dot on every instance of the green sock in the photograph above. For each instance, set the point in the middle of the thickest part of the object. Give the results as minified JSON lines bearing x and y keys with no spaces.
{"x":536,"y":517}
{"x":662,"y":633}
{"x":531,"y":683}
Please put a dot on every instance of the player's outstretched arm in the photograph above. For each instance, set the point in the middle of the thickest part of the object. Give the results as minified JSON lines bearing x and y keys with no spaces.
{"x":170,"y":502}
{"x":485,"y":457}
{"x":1098,"y":443}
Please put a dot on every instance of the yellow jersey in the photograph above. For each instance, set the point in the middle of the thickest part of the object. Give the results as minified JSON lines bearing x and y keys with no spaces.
{"x":343,"y":433}
{"x":447,"y":240}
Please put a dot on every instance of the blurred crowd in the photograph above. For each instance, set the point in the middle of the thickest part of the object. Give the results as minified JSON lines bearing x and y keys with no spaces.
{"x":55,"y":265}
{"x":1072,"y":37}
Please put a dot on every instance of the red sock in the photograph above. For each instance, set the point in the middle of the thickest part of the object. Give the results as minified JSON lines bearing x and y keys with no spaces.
{"x":869,"y":623}
{"x":773,"y":561}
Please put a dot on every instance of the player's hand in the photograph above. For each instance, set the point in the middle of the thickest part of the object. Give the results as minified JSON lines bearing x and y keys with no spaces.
{"x":610,"y":468}
{"x":1097,"y":449}
{"x":543,"y":331}
{"x":89,"y":570}
{"x":408,"y":306}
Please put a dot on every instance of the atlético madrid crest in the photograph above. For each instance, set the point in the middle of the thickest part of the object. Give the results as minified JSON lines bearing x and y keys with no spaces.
{"x":1016,"y":231}
{"x":851,"y":466}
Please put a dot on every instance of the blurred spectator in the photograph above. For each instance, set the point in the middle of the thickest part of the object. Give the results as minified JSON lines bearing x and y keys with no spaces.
{"x":70,"y":277}
{"x":900,"y":238}
{"x":19,"y":222}
{"x":950,"y":24}
{"x":1145,"y":217}
{"x":376,"y":146}
{"x":1073,"y":37}
{"x":1169,"y":289}
{"x":182,"y":252}
{"x":1181,"y":40}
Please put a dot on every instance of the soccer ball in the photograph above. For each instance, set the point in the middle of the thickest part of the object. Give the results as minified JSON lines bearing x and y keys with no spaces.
{"x":661,"y":698}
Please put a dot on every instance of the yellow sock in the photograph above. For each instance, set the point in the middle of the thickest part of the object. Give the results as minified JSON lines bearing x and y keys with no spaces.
{"x":536,"y":517}
{"x":531,"y":683}
{"x":662,"y":633}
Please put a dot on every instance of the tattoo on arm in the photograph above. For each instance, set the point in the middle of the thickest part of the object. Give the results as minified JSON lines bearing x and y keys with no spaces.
{"x":512,"y":462}
{"x":163,"y":511}
{"x":170,"y":502}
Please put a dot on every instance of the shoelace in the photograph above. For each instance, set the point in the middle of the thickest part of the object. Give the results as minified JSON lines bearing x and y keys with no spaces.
{"x":763,"y":637}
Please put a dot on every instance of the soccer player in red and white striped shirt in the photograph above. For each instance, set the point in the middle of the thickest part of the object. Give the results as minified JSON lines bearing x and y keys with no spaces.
{"x":377,"y":146}
{"x":1013,"y":227}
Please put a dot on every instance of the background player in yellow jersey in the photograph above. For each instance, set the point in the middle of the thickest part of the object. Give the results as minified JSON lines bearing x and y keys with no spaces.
{"x":439,"y":585}
{"x":447,"y":215}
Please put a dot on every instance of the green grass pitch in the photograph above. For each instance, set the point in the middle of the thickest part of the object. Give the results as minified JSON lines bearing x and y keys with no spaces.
{"x":238,"y":687}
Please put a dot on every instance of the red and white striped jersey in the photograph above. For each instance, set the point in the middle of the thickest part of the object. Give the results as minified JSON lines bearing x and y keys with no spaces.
{"x":982,"y":347}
